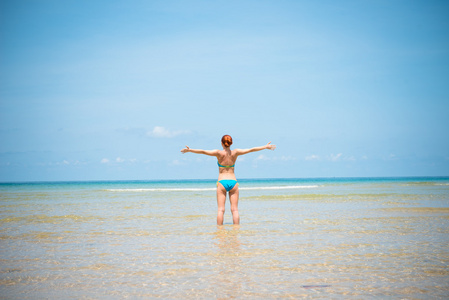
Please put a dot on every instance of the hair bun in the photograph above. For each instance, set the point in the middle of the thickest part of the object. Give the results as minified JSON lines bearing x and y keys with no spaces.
{"x":226,"y":140}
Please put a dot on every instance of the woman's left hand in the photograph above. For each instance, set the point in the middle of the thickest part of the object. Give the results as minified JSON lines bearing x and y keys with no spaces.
{"x":186,"y":149}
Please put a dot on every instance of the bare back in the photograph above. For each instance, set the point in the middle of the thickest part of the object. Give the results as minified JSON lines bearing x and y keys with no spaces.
{"x":226,"y":157}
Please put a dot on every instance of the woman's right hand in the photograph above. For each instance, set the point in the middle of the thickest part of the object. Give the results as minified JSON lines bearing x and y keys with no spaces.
{"x":271,"y":147}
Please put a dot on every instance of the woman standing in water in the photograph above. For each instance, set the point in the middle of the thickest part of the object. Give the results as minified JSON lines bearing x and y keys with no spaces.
{"x":227,"y":183}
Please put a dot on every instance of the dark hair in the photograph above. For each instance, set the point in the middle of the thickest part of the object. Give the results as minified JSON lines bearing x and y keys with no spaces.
{"x":226,"y":140}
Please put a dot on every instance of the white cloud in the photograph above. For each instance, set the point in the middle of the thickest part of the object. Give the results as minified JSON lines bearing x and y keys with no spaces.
{"x":118,"y":160}
{"x":286,"y":158}
{"x":175,"y":162}
{"x":313,"y":157}
{"x":262,"y":157}
{"x":332,"y":157}
{"x":162,"y":132}
{"x":336,"y":157}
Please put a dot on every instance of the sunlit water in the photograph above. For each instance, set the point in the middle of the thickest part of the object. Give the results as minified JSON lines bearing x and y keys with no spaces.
{"x":327,"y":238}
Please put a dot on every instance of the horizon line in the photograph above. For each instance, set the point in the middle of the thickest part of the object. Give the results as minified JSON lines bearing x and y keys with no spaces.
{"x":240,"y":179}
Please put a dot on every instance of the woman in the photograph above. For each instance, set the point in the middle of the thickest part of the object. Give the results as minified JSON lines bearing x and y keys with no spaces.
{"x":227,"y":183}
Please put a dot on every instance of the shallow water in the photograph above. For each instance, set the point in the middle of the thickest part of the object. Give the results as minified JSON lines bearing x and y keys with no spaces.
{"x":329,"y":238}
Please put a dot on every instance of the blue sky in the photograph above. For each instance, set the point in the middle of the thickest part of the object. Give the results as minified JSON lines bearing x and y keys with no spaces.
{"x":106,"y":90}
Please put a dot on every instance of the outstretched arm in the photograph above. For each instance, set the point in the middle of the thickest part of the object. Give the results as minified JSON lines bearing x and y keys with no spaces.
{"x":200,"y":151}
{"x":246,"y":151}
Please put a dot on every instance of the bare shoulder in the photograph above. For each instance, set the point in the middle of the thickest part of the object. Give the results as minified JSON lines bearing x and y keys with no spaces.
{"x":220,"y":153}
{"x":215,"y":152}
{"x":237,"y":152}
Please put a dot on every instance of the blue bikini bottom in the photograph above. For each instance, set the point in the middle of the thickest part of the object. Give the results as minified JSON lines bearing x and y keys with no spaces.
{"x":228,"y":184}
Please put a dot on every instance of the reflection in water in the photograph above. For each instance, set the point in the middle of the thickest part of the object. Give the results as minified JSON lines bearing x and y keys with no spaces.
{"x":227,"y":238}
{"x":229,"y":283}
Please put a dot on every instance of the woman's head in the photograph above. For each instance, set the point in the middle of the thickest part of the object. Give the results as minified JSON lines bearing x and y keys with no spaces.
{"x":226,"y":140}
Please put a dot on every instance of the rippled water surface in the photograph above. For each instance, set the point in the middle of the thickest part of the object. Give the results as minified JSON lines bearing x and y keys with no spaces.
{"x":322,"y":238}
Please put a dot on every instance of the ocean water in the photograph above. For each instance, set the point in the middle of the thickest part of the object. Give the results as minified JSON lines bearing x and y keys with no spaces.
{"x":356,"y":238}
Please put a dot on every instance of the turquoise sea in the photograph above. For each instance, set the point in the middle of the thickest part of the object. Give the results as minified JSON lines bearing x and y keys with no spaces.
{"x":329,"y":238}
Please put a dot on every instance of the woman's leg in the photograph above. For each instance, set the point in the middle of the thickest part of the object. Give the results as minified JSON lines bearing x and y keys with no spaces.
{"x":221,"y":200}
{"x":234,"y":199}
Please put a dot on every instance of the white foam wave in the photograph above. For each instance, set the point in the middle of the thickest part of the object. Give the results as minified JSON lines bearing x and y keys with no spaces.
{"x":162,"y":190}
{"x":213,"y":189}
{"x":289,"y":187}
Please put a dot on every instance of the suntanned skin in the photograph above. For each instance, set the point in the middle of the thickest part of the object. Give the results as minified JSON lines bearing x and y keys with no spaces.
{"x":227,"y":157}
